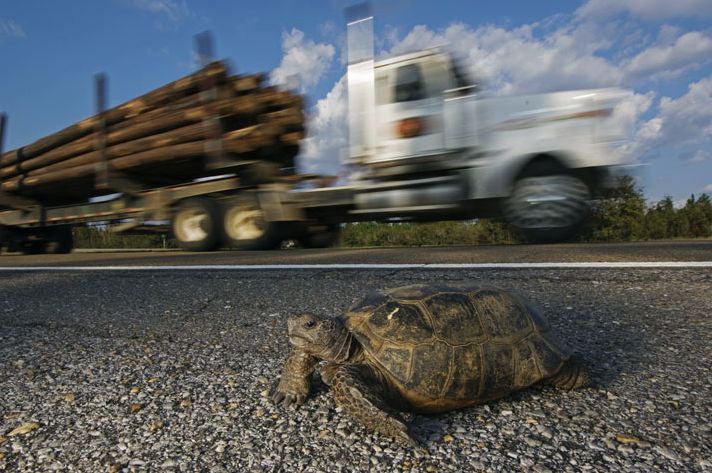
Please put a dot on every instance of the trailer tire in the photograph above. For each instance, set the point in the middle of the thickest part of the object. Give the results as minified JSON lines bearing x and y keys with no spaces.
{"x":246,"y":228}
{"x":196,"y":224}
{"x":549,"y":208}
{"x":33,"y":247}
{"x":320,"y":236}
{"x":60,"y":240}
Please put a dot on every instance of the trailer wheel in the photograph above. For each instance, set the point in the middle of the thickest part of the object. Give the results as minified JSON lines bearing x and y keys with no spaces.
{"x":196,"y":224}
{"x":320,"y":236}
{"x":548,"y":208}
{"x":246,"y":228}
{"x":60,"y":240}
{"x":33,"y":247}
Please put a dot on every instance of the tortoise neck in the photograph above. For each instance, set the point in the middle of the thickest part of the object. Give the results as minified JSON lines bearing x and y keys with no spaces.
{"x":346,"y":349}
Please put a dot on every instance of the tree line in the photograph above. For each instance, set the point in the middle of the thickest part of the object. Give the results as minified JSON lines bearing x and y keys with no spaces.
{"x":625,"y":216}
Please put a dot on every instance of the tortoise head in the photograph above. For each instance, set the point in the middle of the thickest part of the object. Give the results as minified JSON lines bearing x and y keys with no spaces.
{"x":324,"y":337}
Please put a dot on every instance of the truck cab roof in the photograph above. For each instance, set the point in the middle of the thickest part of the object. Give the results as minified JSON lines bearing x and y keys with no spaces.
{"x":409,"y":57}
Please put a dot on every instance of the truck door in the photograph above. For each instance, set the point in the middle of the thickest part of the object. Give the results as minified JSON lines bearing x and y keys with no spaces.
{"x":409,"y":108}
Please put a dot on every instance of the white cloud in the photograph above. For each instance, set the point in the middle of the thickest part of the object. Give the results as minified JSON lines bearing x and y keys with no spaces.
{"x":631,"y":107}
{"x":700,"y":156}
{"x":686,"y":120}
{"x":690,"y":116}
{"x":328,"y":132}
{"x":646,"y":9}
{"x":689,"y":50}
{"x":304,"y":61}
{"x":708,"y":188}
{"x":515,"y":61}
{"x":10,"y":29}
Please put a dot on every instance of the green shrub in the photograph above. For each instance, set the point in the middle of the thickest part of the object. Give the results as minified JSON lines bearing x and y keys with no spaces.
{"x":100,"y":237}
{"x":425,"y":234}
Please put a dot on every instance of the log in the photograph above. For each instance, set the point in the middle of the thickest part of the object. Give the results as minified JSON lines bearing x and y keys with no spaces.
{"x":293,"y":138}
{"x":156,"y":98}
{"x":246,"y":84}
{"x":141,"y":126}
{"x":248,"y":141}
{"x":68,"y":174}
{"x":291,"y":117}
{"x":185,"y":134}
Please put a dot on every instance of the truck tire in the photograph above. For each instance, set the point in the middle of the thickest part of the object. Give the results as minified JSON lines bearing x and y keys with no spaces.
{"x":196,"y":224}
{"x":320,"y":236}
{"x":548,"y":209}
{"x":245,"y":226}
{"x":60,"y":240}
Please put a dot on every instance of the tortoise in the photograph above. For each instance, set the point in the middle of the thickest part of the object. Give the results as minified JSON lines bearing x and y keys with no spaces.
{"x":425,"y":349}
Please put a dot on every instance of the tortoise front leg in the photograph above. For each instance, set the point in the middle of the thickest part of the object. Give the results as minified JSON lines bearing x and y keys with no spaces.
{"x":359,"y":391}
{"x":293,"y":387}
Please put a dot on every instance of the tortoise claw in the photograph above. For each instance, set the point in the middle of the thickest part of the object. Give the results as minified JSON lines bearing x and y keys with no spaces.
{"x":287,"y":399}
{"x":404,"y":436}
{"x":406,"y":439}
{"x":277,"y":397}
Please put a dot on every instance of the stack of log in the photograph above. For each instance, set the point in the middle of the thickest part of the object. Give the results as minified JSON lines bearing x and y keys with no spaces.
{"x":207,"y":123}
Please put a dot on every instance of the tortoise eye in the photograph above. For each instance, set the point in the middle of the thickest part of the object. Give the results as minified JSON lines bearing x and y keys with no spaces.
{"x":309,"y":323}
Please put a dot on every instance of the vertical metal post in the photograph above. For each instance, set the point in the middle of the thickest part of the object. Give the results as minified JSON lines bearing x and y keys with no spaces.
{"x":215,"y":159}
{"x":3,"y":123}
{"x":14,"y":200}
{"x":204,"y":48}
{"x":102,"y":169}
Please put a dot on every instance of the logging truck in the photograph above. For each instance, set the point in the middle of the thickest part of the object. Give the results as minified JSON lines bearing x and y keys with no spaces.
{"x":212,"y":155}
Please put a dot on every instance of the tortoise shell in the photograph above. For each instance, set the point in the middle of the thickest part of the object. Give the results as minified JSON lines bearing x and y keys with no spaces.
{"x":443,"y":346}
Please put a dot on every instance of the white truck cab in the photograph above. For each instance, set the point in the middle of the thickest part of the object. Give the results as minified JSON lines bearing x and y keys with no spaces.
{"x":431,"y":144}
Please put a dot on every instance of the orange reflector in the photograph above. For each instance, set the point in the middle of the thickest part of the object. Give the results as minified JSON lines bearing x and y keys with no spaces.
{"x":410,"y":127}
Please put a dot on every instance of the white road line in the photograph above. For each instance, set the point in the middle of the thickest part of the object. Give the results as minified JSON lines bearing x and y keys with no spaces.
{"x":247,"y":267}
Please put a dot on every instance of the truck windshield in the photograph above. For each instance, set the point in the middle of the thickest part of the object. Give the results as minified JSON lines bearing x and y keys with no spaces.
{"x":460,"y":76}
{"x":409,"y":84}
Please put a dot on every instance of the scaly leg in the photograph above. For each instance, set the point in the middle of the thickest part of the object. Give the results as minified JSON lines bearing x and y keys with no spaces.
{"x":360,"y":392}
{"x":294,"y":385}
{"x":572,"y":375}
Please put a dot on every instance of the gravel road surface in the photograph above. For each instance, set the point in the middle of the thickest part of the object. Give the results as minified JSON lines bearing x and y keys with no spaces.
{"x":170,"y":371}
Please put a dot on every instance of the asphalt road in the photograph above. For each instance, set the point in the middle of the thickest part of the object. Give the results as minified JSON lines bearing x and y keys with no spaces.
{"x":695,"y":250}
{"x":170,"y":370}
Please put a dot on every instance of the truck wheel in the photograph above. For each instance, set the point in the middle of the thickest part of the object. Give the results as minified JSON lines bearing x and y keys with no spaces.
{"x":245,"y":226}
{"x":548,"y":208}
{"x":60,"y":240}
{"x":320,"y":236}
{"x":196,"y":224}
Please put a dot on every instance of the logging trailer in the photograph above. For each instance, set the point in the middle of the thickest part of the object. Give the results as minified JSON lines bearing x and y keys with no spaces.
{"x":426,"y":143}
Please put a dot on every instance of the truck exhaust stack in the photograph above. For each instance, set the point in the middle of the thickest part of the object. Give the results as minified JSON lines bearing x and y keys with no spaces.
{"x":361,"y":79}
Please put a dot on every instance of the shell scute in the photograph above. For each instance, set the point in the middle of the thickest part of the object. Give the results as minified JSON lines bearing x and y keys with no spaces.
{"x":455,"y":320}
{"x":396,"y":358}
{"x":527,"y":368}
{"x":430,"y":368}
{"x":550,"y":359}
{"x":499,"y":369}
{"x":401,"y":323}
{"x":467,"y":373}
{"x":416,"y":292}
{"x":503,"y":316}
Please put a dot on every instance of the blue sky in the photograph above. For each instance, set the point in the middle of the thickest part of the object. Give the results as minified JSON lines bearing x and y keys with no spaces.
{"x":661,"y":51}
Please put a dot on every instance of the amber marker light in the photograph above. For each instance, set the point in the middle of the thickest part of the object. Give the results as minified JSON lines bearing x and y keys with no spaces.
{"x":410,"y":127}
